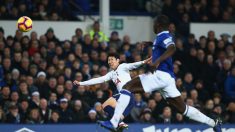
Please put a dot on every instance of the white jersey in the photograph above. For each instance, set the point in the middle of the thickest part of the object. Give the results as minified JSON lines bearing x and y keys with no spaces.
{"x":120,"y":76}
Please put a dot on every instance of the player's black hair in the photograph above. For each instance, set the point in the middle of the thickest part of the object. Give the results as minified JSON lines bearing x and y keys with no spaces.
{"x":163,"y":20}
{"x":115,"y":55}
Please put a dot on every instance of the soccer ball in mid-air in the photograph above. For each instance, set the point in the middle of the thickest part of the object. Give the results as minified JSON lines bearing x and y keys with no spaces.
{"x":24,"y":24}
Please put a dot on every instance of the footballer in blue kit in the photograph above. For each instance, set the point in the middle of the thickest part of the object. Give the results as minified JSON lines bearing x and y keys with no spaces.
{"x":161,"y":42}
{"x":161,"y":78}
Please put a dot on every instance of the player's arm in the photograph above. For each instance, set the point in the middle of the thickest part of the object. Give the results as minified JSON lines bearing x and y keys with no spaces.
{"x":135,"y":65}
{"x":169,"y":52}
{"x":93,"y":81}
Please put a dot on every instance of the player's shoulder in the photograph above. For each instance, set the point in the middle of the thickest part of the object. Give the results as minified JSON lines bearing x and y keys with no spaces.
{"x":165,"y":35}
{"x":123,"y":65}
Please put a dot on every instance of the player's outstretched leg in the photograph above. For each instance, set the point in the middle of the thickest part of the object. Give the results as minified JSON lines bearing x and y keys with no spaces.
{"x":194,"y":113}
{"x":122,"y":104}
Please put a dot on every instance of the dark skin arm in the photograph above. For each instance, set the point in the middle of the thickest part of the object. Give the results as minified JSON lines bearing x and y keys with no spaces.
{"x":169,"y":52}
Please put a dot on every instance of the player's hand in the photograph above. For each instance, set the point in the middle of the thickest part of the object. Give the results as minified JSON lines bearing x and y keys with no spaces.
{"x":148,"y":61}
{"x":76,"y":82}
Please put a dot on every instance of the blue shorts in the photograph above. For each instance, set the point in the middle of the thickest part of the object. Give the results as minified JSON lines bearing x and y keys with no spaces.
{"x":129,"y":106}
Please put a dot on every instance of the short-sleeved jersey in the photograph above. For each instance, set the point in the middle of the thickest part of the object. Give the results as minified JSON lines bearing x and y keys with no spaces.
{"x":120,"y":76}
{"x":161,"y":42}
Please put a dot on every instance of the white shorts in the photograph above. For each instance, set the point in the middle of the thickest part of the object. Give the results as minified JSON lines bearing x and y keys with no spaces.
{"x":161,"y":81}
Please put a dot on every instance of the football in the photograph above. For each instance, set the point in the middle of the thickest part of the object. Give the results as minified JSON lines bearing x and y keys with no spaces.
{"x":24,"y":24}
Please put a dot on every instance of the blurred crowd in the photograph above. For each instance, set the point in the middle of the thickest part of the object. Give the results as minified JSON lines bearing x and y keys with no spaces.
{"x":36,"y":74}
{"x":180,"y":12}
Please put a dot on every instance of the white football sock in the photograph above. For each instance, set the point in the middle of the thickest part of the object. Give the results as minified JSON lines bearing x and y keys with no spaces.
{"x":196,"y":115}
{"x":122,"y":103}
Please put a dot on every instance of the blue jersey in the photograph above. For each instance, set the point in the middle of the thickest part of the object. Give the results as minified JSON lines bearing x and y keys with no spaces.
{"x":161,"y":42}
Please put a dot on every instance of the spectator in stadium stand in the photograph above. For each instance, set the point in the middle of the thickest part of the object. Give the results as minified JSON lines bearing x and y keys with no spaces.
{"x":138,"y":107}
{"x":34,"y":47}
{"x":35,"y":100}
{"x":203,"y":94}
{"x":52,"y":102}
{"x":15,"y":74}
{"x":18,"y":35}
{"x":146,"y":116}
{"x":23,"y":91}
{"x":211,"y":37}
{"x":51,"y":36}
{"x":222,"y":75}
{"x":230,"y":86}
{"x":79,"y":112}
{"x":24,"y":67}
{"x":6,"y":51}
{"x":86,"y":45}
{"x":166,"y":117}
{"x":67,"y":73}
{"x":191,"y":42}
{"x":79,"y":35}
{"x":92,"y":116}
{"x":96,"y":32}
{"x":99,"y":95}
{"x":66,"y":115}
{"x":225,"y":39}
{"x":152,"y":105}
{"x":24,"y":110}
{"x":188,"y":82}
{"x":6,"y":65}
{"x":33,"y":70}
{"x":5,"y":97}
{"x":16,"y":60}
{"x":218,"y":111}
{"x":94,"y":56}
{"x":15,"y":98}
{"x":208,"y":108}
{"x":34,"y":117}
{"x":42,"y":85}
{"x":30,"y":82}
{"x":55,"y":117}
{"x":209,"y":72}
{"x":13,"y":116}
{"x":114,"y":40}
{"x":68,"y":96}
{"x":231,"y":112}
{"x":194,"y":97}
{"x":183,"y":26}
{"x":44,"y":111}
{"x":86,"y":69}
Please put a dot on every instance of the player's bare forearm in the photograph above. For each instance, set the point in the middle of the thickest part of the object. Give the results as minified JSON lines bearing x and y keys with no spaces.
{"x":169,"y":52}
{"x":148,"y":60}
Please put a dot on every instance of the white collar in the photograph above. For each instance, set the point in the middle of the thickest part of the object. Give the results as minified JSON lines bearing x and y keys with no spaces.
{"x":162,"y":32}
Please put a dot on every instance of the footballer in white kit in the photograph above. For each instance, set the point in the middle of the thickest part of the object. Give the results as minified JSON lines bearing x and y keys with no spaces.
{"x":120,"y":75}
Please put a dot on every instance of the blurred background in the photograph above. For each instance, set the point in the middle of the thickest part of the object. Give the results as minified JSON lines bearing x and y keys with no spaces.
{"x":70,"y":40}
